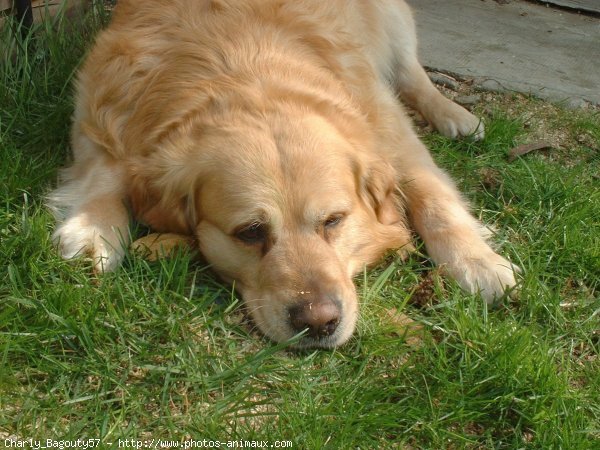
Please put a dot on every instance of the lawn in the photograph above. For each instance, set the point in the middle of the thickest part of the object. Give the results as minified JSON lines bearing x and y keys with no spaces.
{"x":163,"y":351}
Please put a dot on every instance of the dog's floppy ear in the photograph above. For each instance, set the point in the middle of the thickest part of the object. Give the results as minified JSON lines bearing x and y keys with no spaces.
{"x":378,"y":189}
{"x":163,"y":213}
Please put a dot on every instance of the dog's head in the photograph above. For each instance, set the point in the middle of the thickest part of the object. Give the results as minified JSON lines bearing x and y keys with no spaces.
{"x":288,"y":206}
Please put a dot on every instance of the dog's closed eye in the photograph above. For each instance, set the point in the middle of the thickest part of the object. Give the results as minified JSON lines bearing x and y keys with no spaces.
{"x":253,"y":233}
{"x":328,"y":228}
{"x":333,"y":220}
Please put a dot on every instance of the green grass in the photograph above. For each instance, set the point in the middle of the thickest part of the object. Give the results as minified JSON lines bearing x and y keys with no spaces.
{"x":163,"y":351}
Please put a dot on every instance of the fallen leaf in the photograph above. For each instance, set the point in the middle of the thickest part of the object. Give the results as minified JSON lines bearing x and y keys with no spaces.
{"x":405,"y":251}
{"x":406,"y":327}
{"x":161,"y":245}
{"x":526,"y":148}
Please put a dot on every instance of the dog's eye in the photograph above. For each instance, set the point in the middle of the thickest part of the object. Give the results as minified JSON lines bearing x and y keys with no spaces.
{"x":254,"y":233}
{"x":333,"y":220}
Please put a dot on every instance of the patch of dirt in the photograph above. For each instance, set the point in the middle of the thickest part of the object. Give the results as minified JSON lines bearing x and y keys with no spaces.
{"x":490,"y":178}
{"x":542,"y":120}
{"x":425,"y":294}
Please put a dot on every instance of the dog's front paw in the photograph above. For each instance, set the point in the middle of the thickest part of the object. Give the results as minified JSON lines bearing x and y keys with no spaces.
{"x":76,"y":238}
{"x":454,"y":121}
{"x":490,"y":274}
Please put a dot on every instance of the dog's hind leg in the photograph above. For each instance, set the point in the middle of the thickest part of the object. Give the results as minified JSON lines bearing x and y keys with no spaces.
{"x":410,"y":79}
{"x":449,"y":118}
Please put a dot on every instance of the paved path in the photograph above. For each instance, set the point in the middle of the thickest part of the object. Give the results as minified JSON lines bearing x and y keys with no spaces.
{"x":515,"y":46}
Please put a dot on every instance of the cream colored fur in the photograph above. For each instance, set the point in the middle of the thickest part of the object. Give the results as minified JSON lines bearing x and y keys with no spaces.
{"x":205,"y":117}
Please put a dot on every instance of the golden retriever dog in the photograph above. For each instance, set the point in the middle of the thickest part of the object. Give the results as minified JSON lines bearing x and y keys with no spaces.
{"x":271,"y":132}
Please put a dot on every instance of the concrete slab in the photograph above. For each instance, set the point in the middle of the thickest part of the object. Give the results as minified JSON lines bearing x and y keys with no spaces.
{"x":516,"y":46}
{"x":592,"y":6}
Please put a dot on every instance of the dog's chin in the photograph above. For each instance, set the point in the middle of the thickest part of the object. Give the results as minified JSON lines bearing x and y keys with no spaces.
{"x":302,"y":341}
{"x":328,"y":342}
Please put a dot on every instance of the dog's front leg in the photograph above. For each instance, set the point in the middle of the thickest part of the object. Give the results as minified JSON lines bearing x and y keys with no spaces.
{"x":93,"y":217}
{"x":454,"y":239}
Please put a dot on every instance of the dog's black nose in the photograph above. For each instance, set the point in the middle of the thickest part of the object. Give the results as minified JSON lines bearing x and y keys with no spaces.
{"x":321,"y":317}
